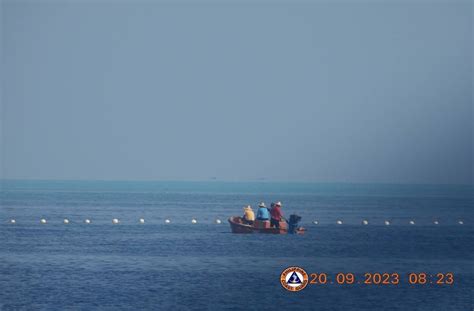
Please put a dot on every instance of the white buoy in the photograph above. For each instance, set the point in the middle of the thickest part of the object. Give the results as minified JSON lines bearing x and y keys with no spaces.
{"x":115,"y":221}
{"x":315,"y":222}
{"x":218,"y":221}
{"x":387,"y":223}
{"x":339,"y":222}
{"x":461,"y":222}
{"x":43,"y":221}
{"x":12,"y":221}
{"x":412,"y":222}
{"x":66,"y":221}
{"x":141,"y":220}
{"x":87,"y":221}
{"x":167,"y":221}
{"x":194,"y":221}
{"x":365,"y":222}
{"x":436,"y":222}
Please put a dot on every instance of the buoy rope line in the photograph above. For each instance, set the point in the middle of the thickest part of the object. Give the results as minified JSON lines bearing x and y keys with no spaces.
{"x":218,"y":221}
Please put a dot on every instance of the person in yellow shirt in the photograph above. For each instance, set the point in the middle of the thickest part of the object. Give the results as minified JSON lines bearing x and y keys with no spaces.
{"x":249,"y":216}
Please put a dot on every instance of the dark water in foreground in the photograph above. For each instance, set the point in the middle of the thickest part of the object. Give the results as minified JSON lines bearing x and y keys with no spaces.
{"x":134,"y":266}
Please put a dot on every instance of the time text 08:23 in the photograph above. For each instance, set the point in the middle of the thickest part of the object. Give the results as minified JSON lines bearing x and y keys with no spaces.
{"x":385,"y":278}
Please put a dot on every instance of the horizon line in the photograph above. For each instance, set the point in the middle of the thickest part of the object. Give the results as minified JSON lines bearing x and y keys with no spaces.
{"x":241,"y":181}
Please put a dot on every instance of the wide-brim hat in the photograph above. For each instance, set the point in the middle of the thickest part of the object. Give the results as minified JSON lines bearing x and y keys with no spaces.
{"x":278,"y":204}
{"x":262,"y":204}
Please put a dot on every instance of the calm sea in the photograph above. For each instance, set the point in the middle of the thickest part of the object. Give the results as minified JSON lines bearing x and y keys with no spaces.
{"x":202,"y":266}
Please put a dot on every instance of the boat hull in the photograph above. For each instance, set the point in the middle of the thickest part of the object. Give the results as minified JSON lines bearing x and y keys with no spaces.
{"x":259,"y":226}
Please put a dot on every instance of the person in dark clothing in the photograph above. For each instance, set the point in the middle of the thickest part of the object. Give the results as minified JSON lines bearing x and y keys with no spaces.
{"x":293,"y":223}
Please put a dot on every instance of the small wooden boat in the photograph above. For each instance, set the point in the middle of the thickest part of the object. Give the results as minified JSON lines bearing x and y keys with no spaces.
{"x":259,"y":226}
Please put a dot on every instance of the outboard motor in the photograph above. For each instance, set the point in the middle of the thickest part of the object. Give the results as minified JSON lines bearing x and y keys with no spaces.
{"x":293,"y":223}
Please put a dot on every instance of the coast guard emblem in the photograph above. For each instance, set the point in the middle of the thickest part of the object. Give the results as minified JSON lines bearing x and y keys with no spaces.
{"x":294,"y":279}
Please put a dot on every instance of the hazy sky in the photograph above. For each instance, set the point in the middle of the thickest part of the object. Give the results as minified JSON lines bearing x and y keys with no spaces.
{"x":358,"y":91}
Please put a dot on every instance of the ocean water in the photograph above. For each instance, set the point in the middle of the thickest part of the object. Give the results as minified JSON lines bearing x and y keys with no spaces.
{"x":202,"y":266}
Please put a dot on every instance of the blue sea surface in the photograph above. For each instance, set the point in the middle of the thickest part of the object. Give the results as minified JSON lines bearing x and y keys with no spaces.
{"x":202,"y":266}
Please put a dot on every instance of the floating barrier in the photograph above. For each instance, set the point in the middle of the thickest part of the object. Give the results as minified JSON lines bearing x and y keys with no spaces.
{"x":218,"y":221}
